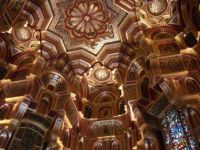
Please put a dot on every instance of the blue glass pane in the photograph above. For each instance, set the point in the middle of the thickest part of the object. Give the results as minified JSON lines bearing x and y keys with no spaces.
{"x":177,"y":132}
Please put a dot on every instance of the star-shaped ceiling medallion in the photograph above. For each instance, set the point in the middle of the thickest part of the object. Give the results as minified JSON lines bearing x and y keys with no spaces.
{"x":87,"y":24}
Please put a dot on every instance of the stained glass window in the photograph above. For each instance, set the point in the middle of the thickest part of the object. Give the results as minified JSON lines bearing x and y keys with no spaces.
{"x":177,"y":131}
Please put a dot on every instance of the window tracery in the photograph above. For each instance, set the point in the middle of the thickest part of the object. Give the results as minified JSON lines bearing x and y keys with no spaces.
{"x":177,"y":131}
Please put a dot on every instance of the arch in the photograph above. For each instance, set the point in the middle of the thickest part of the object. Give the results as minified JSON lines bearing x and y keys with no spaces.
{"x":122,"y":107}
{"x":166,"y":31}
{"x":88,"y":111}
{"x":43,"y":106}
{"x":4,"y":138}
{"x":54,"y":81}
{"x":21,"y":73}
{"x":192,"y":86}
{"x":45,"y":103}
{"x":4,"y":109}
{"x":177,"y":130}
{"x":193,"y":117}
{"x":33,"y":129}
{"x":105,"y":128}
{"x":28,"y":136}
{"x":106,"y":96}
{"x":4,"y":51}
{"x":66,"y":138}
{"x":3,"y":71}
{"x":105,"y":99}
{"x":115,"y":145}
{"x":188,"y":9}
{"x":190,"y":39}
{"x":22,"y":108}
{"x":167,"y":47}
{"x":24,"y":59}
{"x":137,"y":115}
{"x":136,"y":69}
{"x":195,"y":16}
{"x":144,"y":87}
{"x":151,"y":142}
{"x":105,"y":111}
{"x":98,"y":146}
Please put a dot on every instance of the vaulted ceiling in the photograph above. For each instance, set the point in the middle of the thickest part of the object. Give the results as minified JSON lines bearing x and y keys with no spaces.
{"x":88,"y":31}
{"x":98,"y":71}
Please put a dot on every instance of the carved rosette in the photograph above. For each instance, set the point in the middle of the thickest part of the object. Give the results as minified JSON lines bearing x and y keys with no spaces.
{"x":86,"y":19}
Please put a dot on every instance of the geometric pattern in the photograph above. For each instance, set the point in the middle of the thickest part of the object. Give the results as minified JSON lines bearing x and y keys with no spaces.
{"x":72,"y":40}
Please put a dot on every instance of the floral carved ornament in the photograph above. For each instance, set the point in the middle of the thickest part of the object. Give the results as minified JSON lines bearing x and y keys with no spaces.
{"x":86,"y":19}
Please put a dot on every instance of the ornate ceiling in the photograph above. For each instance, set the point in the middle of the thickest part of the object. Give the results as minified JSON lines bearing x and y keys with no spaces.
{"x":98,"y":74}
{"x":91,"y":31}
{"x":87,"y":25}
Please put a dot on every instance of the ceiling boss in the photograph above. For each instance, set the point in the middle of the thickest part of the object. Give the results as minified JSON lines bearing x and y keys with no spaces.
{"x":86,"y":19}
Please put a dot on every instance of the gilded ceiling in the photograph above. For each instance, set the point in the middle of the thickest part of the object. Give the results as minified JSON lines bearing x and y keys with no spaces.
{"x":86,"y":25}
{"x":99,"y":74}
{"x":87,"y":30}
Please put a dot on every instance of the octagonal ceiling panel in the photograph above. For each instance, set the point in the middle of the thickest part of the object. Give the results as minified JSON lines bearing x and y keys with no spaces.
{"x":157,"y":12}
{"x":87,"y":24}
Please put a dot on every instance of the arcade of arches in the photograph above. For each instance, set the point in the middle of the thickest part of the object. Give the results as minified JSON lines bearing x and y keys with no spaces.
{"x":99,"y":75}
